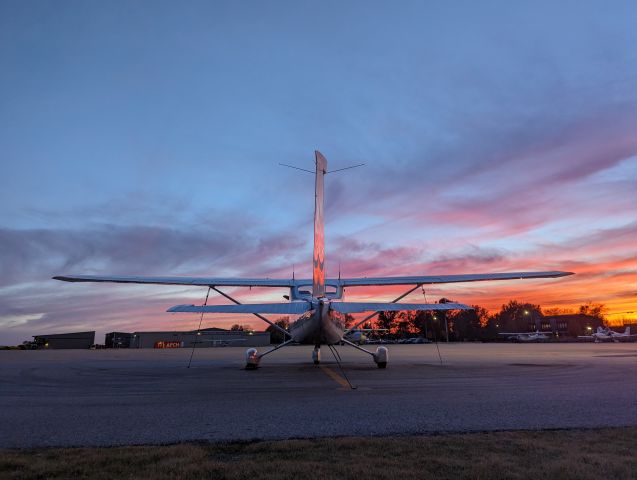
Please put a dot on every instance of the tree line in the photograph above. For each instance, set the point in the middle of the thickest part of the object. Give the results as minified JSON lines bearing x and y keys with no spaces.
{"x":459,"y":325}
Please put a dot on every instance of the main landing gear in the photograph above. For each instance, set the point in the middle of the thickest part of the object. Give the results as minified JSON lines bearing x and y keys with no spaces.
{"x":253,"y":357}
{"x":380,"y":357}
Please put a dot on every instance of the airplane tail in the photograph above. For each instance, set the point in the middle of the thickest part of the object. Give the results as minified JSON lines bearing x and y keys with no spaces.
{"x":318,"y":260}
{"x":627,"y":331}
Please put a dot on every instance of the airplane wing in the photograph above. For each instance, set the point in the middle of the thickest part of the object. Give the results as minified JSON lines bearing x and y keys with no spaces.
{"x":197,"y":281}
{"x":282,"y":282}
{"x":291,"y":308}
{"x":359,"y":307}
{"x":474,"y":277}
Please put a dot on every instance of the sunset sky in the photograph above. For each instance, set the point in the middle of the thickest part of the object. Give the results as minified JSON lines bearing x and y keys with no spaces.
{"x":144,"y":138}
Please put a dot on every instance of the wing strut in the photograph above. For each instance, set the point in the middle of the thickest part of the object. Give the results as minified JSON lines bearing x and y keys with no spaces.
{"x":198,"y":328}
{"x":258,"y":315}
{"x":372,"y":315}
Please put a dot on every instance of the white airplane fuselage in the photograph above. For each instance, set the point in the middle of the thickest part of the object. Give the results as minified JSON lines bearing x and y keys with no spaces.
{"x":534,"y":337}
{"x":318,"y":326}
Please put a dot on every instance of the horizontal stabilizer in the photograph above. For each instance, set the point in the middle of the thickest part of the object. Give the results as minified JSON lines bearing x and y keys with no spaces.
{"x":359,"y":307}
{"x":291,"y":308}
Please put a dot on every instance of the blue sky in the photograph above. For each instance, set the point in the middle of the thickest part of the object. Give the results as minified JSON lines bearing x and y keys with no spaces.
{"x":144,"y":137}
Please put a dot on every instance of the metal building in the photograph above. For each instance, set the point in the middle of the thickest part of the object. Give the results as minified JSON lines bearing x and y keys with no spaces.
{"x":117,"y":340}
{"x":208,"y":337}
{"x":65,"y":340}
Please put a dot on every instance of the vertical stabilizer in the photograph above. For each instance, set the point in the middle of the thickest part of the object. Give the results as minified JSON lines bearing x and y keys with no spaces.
{"x":318,"y":260}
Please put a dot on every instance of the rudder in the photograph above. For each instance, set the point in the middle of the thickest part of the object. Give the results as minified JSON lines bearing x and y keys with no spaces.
{"x":318,"y":260}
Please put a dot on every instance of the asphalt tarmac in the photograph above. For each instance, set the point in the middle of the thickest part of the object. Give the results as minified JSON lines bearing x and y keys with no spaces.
{"x":127,"y":397}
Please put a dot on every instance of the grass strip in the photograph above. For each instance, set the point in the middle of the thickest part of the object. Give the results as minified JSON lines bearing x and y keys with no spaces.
{"x":557,"y":454}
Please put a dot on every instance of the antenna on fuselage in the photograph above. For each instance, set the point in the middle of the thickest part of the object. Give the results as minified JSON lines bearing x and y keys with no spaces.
{"x":346,"y":168}
{"x":325,"y":173}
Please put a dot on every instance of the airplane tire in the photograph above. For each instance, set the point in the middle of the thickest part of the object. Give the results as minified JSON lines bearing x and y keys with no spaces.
{"x":316,"y":362}
{"x":382,"y":364}
{"x":251,"y":366}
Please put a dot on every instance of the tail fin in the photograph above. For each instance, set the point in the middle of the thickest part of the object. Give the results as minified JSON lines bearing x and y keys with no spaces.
{"x":627,"y":332}
{"x":318,"y":261}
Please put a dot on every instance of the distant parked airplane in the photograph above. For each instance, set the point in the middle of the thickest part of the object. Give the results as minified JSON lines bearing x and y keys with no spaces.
{"x":318,"y":301}
{"x":361,"y":335}
{"x":608,"y":335}
{"x":536,"y":336}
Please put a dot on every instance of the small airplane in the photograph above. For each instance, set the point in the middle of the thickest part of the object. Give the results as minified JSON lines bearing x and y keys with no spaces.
{"x":319,"y":300}
{"x":608,"y":335}
{"x":536,"y":336}
{"x":361,"y":335}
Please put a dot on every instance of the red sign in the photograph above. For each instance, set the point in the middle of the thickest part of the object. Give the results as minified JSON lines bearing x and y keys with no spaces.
{"x":161,"y":344}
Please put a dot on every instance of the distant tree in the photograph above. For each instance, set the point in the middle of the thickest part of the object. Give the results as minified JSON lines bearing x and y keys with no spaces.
{"x":403,"y":326}
{"x":470,"y":324}
{"x":348,"y":320}
{"x":596,"y":310}
{"x":515,"y":317}
{"x":387,"y":321}
{"x":276,"y":336}
{"x":482,"y":315}
{"x":419,"y":322}
{"x":237,"y":328}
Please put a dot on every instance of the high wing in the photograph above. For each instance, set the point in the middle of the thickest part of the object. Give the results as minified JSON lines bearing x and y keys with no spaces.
{"x":359,"y":307}
{"x":282,"y":308}
{"x":197,"y":281}
{"x":472,"y":277}
{"x":345,"y":282}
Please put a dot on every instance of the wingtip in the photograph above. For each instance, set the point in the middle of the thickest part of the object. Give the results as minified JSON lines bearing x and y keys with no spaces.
{"x":178,"y":308}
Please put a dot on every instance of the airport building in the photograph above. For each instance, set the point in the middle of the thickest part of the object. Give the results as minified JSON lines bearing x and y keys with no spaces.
{"x":572,"y":325}
{"x":58,"y":341}
{"x":207,"y":337}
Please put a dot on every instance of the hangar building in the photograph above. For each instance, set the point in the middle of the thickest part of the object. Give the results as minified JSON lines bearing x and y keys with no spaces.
{"x":208,"y":337}
{"x":65,"y":340}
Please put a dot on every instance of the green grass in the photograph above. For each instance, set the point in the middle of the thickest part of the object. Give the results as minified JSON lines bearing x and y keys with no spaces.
{"x":566,"y":454}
